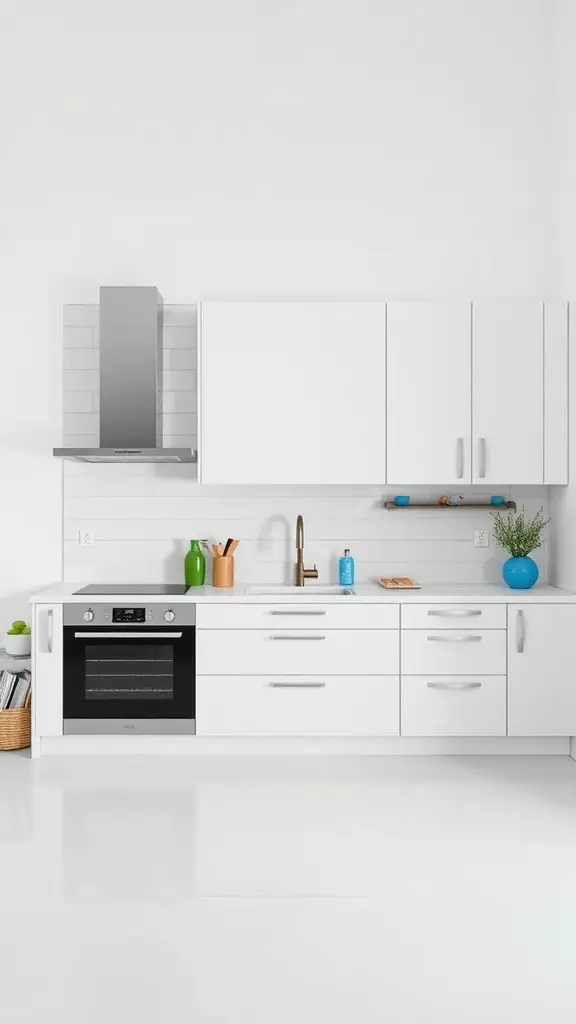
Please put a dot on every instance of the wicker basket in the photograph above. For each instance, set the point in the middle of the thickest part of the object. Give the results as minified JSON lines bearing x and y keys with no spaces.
{"x":15,"y":727}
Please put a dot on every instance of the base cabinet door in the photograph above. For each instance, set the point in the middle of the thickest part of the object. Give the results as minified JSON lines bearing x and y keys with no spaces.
{"x":47,"y":671}
{"x":541,"y":670}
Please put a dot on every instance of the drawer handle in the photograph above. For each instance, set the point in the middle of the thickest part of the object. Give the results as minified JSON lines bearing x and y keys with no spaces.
{"x":303,"y":636}
{"x":455,"y":639}
{"x":285,"y":685}
{"x":454,"y":612}
{"x":433,"y":685}
{"x":299,"y":611}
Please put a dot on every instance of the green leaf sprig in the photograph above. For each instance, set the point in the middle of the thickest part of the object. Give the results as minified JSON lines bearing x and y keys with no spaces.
{"x":517,"y":534}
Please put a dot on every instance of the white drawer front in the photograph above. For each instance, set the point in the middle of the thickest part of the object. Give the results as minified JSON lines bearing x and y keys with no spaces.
{"x":297,"y":651}
{"x":453,"y":706}
{"x":454,"y":616}
{"x":454,"y":651}
{"x":298,"y":616}
{"x":297,"y":706}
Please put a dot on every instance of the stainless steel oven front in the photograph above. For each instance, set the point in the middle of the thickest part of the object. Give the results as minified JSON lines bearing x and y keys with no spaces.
{"x":129,"y":668}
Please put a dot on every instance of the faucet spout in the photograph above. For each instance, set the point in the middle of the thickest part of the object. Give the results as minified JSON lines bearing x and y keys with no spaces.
{"x":302,"y":573}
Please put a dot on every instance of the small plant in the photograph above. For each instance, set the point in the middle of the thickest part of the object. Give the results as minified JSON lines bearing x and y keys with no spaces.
{"x":19,"y":628}
{"x":517,"y":534}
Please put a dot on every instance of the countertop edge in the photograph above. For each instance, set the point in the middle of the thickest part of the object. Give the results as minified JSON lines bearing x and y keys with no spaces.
{"x":365,"y":593}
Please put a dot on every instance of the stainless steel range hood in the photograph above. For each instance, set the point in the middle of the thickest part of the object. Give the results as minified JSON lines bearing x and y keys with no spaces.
{"x":130,"y":382}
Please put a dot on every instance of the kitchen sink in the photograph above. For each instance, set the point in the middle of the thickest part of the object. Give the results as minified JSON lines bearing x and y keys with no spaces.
{"x":310,"y":590}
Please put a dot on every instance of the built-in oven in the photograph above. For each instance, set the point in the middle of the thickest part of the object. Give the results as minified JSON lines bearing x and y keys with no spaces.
{"x":129,"y":669}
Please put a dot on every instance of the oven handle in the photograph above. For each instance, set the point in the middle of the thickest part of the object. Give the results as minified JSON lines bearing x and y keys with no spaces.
{"x":127,"y":636}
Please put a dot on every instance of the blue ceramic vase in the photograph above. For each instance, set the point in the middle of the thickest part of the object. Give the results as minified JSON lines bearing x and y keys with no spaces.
{"x":520,"y":573}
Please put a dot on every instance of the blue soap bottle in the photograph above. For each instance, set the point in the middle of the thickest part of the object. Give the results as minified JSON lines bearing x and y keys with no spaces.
{"x":346,"y":569}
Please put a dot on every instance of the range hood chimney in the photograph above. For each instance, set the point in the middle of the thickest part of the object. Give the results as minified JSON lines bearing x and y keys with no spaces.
{"x":131,"y":322}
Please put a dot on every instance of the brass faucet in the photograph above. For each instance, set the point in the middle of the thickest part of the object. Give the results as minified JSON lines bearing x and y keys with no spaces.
{"x":302,"y":573}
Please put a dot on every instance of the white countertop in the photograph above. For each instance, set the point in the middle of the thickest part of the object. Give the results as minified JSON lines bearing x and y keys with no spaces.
{"x":366,"y":593}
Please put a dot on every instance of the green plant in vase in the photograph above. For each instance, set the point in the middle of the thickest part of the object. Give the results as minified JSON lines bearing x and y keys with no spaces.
{"x":17,"y":640}
{"x":519,"y":536}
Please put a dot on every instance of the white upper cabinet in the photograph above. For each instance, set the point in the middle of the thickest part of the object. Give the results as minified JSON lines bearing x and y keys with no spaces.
{"x":292,"y":393}
{"x":429,"y":353}
{"x":556,"y":393}
{"x":508,"y":392}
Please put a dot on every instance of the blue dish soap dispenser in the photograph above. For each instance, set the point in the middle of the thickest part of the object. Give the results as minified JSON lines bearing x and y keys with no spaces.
{"x":346,"y":569}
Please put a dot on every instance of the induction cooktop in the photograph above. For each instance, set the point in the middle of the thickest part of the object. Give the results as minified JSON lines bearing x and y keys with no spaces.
{"x":134,"y":588}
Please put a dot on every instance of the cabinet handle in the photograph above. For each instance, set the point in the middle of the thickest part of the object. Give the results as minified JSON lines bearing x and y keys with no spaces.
{"x":454,"y":612}
{"x":481,"y":456}
{"x":303,"y":636}
{"x":123,"y":635}
{"x":286,"y":685}
{"x":453,"y":686}
{"x":298,"y":611}
{"x":520,"y":631}
{"x":50,"y":631}
{"x":460,"y":457}
{"x":455,"y":639}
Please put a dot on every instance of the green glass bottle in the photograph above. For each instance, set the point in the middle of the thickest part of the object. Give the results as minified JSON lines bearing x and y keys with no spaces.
{"x":195,"y":565}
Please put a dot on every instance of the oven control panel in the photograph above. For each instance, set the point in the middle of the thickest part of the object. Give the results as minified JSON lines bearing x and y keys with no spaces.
{"x":117,"y":615}
{"x":128,"y":615}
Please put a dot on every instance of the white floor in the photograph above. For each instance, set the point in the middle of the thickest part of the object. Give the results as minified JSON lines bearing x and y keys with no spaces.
{"x":288,"y":890}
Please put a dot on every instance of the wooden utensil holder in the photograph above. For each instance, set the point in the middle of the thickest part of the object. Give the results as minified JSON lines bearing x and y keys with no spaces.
{"x":223,"y":571}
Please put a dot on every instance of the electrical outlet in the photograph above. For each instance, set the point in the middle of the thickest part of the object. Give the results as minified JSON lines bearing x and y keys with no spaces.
{"x":86,"y":538}
{"x":481,"y":538}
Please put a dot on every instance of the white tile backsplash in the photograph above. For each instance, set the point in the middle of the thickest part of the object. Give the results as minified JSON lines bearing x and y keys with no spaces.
{"x":179,"y":380}
{"x":80,"y":423}
{"x":78,"y":337}
{"x":179,"y":401}
{"x":179,"y":359}
{"x":142,"y":517}
{"x":179,"y":423}
{"x":81,"y":380}
{"x":81,"y":358}
{"x":78,"y":401}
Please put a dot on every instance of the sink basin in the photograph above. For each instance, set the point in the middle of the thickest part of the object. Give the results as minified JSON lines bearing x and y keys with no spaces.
{"x":332,"y":590}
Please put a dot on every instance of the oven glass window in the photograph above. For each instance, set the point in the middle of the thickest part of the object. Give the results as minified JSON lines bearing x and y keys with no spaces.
{"x":129,"y":671}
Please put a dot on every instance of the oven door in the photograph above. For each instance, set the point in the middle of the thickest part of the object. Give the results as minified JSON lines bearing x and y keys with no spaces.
{"x":129,"y":679}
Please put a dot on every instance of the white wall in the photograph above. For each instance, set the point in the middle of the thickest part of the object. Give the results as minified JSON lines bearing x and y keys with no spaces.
{"x":563,"y":221}
{"x":316,"y":148}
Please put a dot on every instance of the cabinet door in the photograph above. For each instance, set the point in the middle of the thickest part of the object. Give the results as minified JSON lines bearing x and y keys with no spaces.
{"x":292,"y":392}
{"x":47,"y":670}
{"x":429,"y":351}
{"x":541,"y":689}
{"x":507,"y":393}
